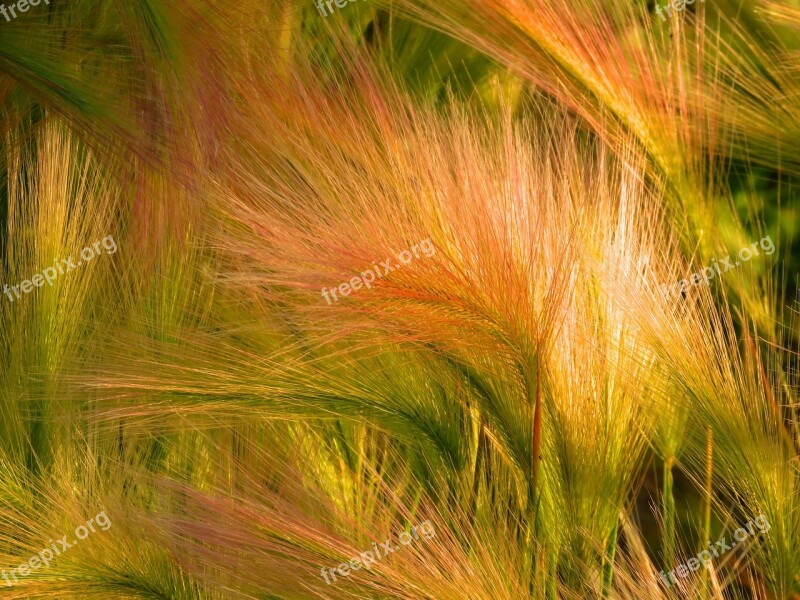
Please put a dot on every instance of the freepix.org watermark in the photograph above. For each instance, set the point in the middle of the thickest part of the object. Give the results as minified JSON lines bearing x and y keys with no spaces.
{"x":370,"y":557}
{"x":716,"y":268}
{"x":367,"y":277}
{"x":321,"y":4}
{"x":677,"y":5}
{"x":715,"y":550}
{"x":45,"y":556}
{"x":21,"y":6}
{"x":61,"y":267}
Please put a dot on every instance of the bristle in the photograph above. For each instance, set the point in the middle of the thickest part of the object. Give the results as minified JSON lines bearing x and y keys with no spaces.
{"x":403,"y":299}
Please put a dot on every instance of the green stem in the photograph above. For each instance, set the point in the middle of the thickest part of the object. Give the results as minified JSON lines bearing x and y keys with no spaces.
{"x":707,"y":516}
{"x":535,"y":396}
{"x":668,"y":501}
{"x":480,"y":457}
{"x":608,"y":562}
{"x":552,"y":583}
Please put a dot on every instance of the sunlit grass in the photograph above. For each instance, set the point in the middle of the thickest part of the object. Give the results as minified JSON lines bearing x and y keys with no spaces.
{"x":567,"y":428}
